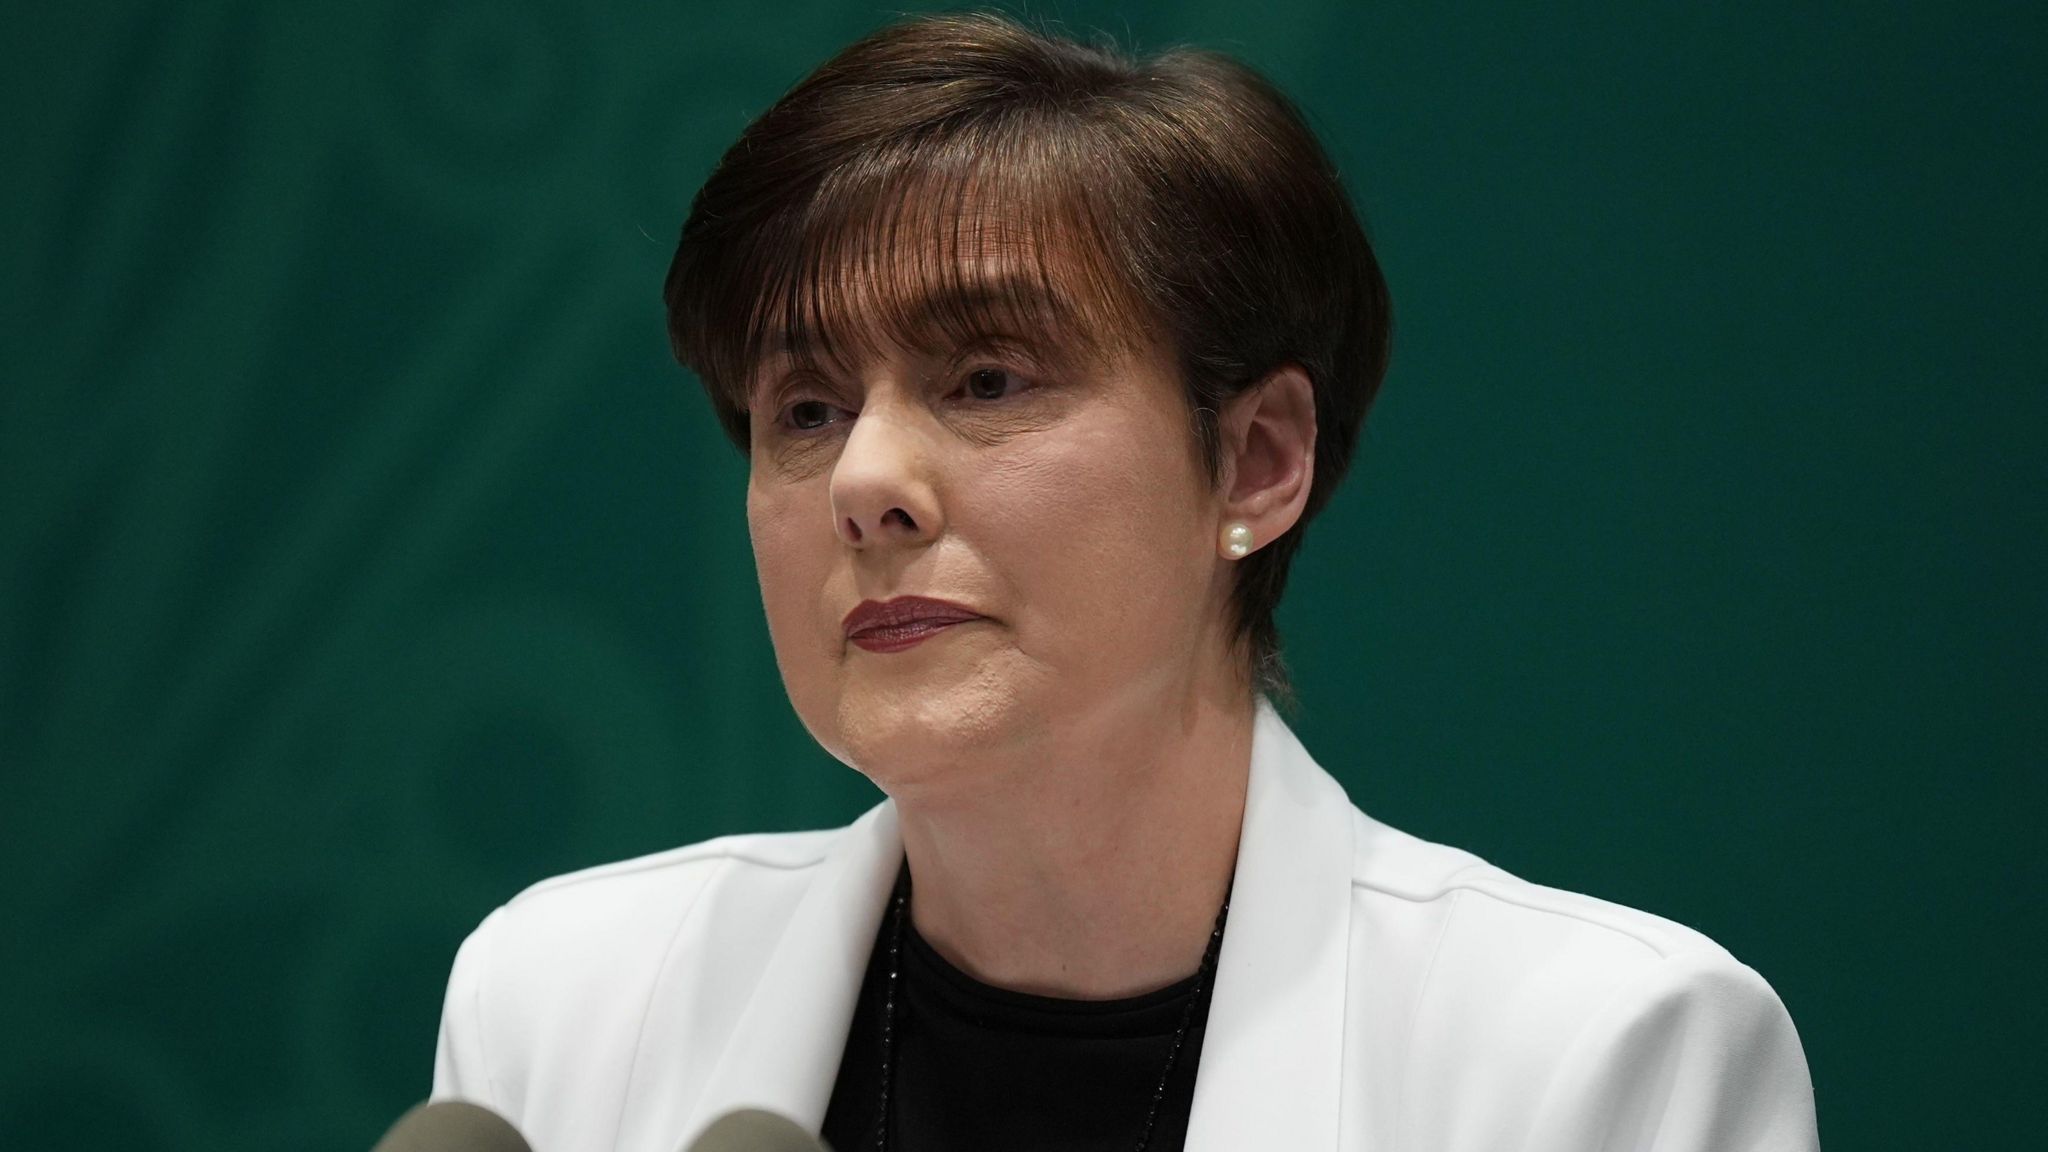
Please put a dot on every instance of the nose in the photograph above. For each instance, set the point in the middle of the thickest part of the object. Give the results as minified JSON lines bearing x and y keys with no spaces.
{"x":882,"y":490}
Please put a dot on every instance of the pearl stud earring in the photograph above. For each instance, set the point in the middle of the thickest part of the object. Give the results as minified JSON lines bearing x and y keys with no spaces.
{"x":1237,"y":540}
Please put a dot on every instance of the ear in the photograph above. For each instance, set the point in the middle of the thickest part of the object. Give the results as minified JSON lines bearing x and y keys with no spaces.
{"x":1269,"y":455}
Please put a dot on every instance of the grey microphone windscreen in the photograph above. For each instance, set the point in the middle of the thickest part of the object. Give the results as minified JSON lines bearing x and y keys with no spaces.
{"x":752,"y":1130}
{"x":452,"y":1126}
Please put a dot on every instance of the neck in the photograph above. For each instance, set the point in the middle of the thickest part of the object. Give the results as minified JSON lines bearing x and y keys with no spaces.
{"x":1099,"y":875}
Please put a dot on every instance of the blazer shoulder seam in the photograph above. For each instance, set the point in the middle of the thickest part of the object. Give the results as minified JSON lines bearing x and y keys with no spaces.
{"x":1418,"y":894}
{"x":744,"y":849}
{"x":1458,"y":881}
{"x":1477,"y":884}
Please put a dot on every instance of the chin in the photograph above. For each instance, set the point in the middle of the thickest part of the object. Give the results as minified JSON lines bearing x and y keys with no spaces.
{"x":910,"y":732}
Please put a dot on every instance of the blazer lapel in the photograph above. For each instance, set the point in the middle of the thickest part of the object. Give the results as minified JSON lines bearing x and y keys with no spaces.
{"x":1273,"y":1053}
{"x":784,"y":1054}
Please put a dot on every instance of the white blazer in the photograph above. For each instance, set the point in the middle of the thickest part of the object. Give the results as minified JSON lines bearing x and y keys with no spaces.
{"x":1375,"y":993}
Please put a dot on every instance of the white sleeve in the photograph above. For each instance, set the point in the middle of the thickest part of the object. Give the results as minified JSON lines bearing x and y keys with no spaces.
{"x":1698,"y":1055}
{"x":461,"y":1069}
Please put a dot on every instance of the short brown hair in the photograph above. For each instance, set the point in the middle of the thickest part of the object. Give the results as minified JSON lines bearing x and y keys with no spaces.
{"x":1184,"y":194}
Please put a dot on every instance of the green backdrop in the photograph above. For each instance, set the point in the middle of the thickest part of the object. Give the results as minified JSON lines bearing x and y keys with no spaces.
{"x":363,"y":558}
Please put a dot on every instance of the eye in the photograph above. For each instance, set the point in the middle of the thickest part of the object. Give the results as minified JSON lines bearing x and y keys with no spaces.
{"x":809,"y":415}
{"x":991,"y":383}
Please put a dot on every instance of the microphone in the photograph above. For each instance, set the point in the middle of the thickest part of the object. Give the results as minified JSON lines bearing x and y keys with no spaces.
{"x":453,"y":1126}
{"x":752,"y":1130}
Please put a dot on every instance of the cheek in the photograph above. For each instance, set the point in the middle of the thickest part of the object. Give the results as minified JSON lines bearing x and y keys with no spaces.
{"x":1101,"y":531}
{"x":792,"y":555}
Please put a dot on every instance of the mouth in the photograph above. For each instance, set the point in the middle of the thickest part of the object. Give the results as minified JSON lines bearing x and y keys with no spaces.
{"x":899,"y":637}
{"x":904,"y":622}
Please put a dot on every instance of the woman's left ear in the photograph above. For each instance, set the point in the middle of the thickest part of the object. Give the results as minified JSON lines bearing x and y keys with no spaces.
{"x":1269,"y":460}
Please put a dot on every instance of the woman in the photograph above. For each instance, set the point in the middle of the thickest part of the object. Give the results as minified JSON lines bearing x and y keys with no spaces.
{"x":1042,"y":358}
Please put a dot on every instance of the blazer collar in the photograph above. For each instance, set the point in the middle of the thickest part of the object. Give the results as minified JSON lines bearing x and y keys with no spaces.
{"x":1272,"y":1054}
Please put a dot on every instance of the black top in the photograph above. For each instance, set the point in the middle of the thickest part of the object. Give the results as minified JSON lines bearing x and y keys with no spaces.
{"x":985,"y":1068}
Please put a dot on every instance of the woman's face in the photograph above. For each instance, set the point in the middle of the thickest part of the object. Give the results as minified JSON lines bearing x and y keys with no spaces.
{"x":1062,"y":503}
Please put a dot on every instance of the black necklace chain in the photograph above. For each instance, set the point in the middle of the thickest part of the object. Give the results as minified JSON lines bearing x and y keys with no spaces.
{"x":899,"y":907}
